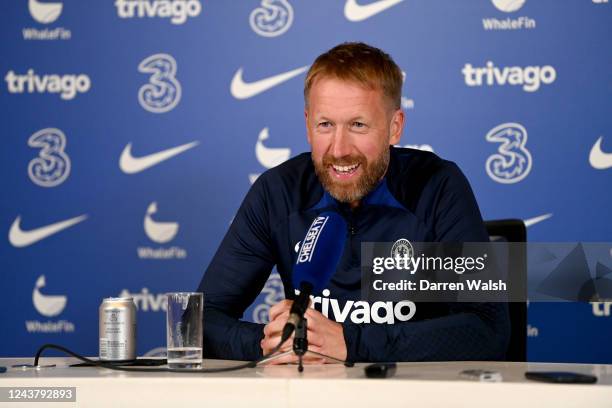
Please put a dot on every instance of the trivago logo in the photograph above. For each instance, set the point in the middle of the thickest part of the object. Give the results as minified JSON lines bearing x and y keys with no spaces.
{"x":601,"y":309}
{"x":67,"y":86}
{"x":530,"y":78}
{"x":176,"y":10}
{"x":361,"y":311}
{"x":146,"y":301}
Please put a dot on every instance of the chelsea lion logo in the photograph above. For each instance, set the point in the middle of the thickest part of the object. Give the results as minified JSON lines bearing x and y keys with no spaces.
{"x":402,"y":248}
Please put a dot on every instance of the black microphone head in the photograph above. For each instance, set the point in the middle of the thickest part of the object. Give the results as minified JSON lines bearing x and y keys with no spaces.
{"x":320,"y":251}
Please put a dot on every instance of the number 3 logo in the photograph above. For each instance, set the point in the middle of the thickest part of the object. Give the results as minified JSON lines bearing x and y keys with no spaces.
{"x":52,"y":166}
{"x":163,"y":92}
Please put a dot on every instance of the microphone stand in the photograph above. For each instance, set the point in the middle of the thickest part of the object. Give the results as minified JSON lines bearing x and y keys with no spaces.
{"x":300,"y":348}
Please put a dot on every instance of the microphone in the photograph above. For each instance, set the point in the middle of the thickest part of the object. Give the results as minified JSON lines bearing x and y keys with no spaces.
{"x":317,"y":260}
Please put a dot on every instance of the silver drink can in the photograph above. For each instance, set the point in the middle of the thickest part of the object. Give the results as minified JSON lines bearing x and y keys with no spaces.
{"x":117,"y":329}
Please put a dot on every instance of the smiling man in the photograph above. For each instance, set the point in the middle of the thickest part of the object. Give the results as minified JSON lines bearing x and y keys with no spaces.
{"x":353,"y":118}
{"x":350,"y":128}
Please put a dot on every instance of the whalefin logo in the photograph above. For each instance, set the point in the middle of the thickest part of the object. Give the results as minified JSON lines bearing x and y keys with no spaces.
{"x":268,"y":157}
{"x":508,"y":6}
{"x":355,"y":12}
{"x":599,"y":159}
{"x":45,"y":13}
{"x":160,"y":232}
{"x":131,"y":165}
{"x":47,"y":305}
{"x":244,"y":90}
{"x":495,"y":23}
{"x":20,"y":238}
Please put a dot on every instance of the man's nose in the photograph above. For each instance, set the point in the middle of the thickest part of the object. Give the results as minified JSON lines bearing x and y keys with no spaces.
{"x":341,"y":146}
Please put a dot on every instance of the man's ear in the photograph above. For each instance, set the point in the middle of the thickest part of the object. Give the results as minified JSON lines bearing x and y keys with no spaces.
{"x":307,"y":128}
{"x":397,"y":126}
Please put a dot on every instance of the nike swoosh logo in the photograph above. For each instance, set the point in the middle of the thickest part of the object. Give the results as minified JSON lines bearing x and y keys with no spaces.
{"x":532,"y":221}
{"x":244,"y":90}
{"x":130,"y":164}
{"x":598,"y":158}
{"x":359,"y":12}
{"x":20,"y":238}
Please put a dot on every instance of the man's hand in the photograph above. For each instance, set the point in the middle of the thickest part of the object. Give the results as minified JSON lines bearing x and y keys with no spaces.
{"x":324,"y":335}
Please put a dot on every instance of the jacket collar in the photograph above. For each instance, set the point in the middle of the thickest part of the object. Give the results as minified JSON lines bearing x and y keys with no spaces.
{"x":380,"y":195}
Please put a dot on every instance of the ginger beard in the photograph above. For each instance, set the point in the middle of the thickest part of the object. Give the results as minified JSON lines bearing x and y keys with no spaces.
{"x":348,"y":191}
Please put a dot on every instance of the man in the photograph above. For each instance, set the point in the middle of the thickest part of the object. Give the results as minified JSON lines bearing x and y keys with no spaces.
{"x":353,"y":118}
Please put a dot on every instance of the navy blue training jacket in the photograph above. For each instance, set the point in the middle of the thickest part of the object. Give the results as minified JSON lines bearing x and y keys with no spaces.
{"x":422,"y":198}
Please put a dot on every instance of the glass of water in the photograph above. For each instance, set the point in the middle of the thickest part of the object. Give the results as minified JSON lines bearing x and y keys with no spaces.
{"x":184,"y":329}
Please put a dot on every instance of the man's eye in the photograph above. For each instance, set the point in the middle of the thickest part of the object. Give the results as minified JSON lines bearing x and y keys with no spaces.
{"x":359,"y":124}
{"x":324,"y":124}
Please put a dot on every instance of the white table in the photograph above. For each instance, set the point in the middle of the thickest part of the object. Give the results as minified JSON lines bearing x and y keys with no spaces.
{"x":414,"y":385}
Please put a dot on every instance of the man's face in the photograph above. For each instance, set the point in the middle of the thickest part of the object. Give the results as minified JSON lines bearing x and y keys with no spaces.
{"x":350,"y":128}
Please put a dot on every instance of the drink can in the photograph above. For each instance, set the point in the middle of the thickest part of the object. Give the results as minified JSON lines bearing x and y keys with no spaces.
{"x":117,"y":329}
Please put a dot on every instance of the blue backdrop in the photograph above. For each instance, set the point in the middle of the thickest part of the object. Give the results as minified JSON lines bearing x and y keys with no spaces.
{"x":133,"y":128}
